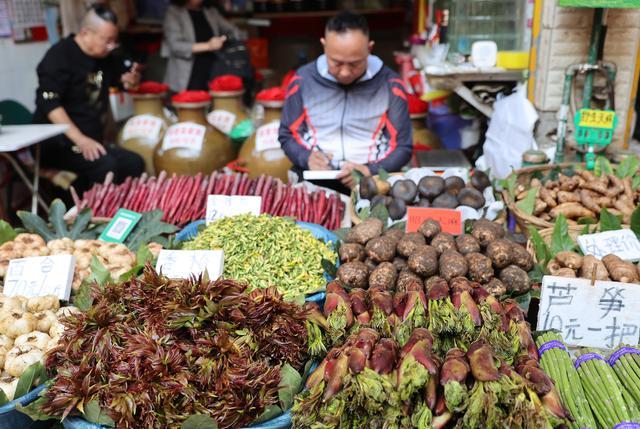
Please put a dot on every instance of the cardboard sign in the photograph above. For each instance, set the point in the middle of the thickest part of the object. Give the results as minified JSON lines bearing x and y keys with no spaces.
{"x":183,"y":264}
{"x":120,"y":226}
{"x":601,"y":315}
{"x":219,"y":206}
{"x":222,"y":120}
{"x":146,"y":127}
{"x":267,"y":137}
{"x":187,"y":135}
{"x":450,"y":220}
{"x":40,"y":275}
{"x":622,"y":243}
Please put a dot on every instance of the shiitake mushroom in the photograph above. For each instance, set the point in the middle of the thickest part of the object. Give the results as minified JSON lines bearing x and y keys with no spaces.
{"x":397,"y":208}
{"x":471,"y":197}
{"x":453,"y":185}
{"x":404,"y":190}
{"x":445,"y":201}
{"x":431,"y":186}
{"x":423,"y":202}
{"x":480,"y":180}
{"x":368,"y":188}
{"x":380,"y":199}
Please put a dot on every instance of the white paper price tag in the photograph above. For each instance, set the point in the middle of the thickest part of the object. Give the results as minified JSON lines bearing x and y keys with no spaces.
{"x":602,"y":315}
{"x":219,"y":206}
{"x":186,"y":135}
{"x":146,"y":127}
{"x":222,"y":120}
{"x":267,"y":137}
{"x":40,"y":275}
{"x":622,"y":243}
{"x":183,"y":264}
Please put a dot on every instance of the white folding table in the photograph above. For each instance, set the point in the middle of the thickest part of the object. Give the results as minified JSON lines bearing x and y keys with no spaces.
{"x":17,"y":137}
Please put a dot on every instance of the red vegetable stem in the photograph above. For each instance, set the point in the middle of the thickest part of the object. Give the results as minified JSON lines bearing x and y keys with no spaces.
{"x":260,"y":185}
{"x":265,"y":193}
{"x":193,"y":197}
{"x":221,"y":184}
{"x":211,"y":183}
{"x":171,"y":183}
{"x":179,"y":196}
{"x":251,"y":189}
{"x":236,"y":183}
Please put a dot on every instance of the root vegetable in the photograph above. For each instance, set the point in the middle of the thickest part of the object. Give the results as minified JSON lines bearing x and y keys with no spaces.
{"x":395,"y":234}
{"x":515,"y":279}
{"x":466,"y":244}
{"x":568,"y":197}
{"x":381,"y":249}
{"x":57,"y":329}
{"x":424,"y":261}
{"x":371,"y":264}
{"x":443,"y":242}
{"x":486,"y":231}
{"x":571,"y":211}
{"x":429,"y":228}
{"x":5,"y":342}
{"x":495,"y":287}
{"x":619,"y":270}
{"x":480,"y":267}
{"x":539,"y":207}
{"x":545,"y":195}
{"x":593,"y":266}
{"x":16,"y":323}
{"x":587,"y":200}
{"x":596,"y":186}
{"x":399,"y":263}
{"x":567,"y":183}
{"x":500,"y":252}
{"x":565,"y":272}
{"x":42,"y":303}
{"x":19,"y":358}
{"x":520,"y":257}
{"x":354,"y":274}
{"x":8,"y":385}
{"x":44,"y":320}
{"x":67,"y":311}
{"x":410,"y":242}
{"x":8,"y":303}
{"x":365,"y":231}
{"x":351,"y":252}
{"x":616,"y":186}
{"x":407,"y":277}
{"x":452,"y":264}
{"x":384,"y":276}
{"x":569,"y":260}
{"x":36,"y":339}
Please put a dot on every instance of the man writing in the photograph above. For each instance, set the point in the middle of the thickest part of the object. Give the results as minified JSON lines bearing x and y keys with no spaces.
{"x":74,"y":79}
{"x":346,"y":110}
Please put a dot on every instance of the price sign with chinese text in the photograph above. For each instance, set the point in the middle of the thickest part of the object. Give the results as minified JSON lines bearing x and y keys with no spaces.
{"x":146,"y":127}
{"x":222,"y":120}
{"x":622,"y":243}
{"x":602,"y":315}
{"x":219,"y":206}
{"x":592,"y":118}
{"x":186,"y":135}
{"x":40,"y":275}
{"x":450,"y":220}
{"x":267,"y":137}
{"x":182,"y":264}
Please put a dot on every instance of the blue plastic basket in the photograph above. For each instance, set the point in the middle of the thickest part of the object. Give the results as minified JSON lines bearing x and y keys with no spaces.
{"x":190,"y":231}
{"x":10,"y":418}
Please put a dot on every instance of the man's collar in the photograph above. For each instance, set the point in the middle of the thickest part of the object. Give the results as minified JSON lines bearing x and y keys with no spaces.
{"x":374,"y":65}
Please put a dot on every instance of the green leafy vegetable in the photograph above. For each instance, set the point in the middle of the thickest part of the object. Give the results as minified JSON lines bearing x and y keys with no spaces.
{"x":57,"y":210}
{"x":290,"y":385}
{"x":35,"y":224}
{"x":7,"y":233}
{"x":635,"y":182}
{"x":603,"y":166}
{"x":34,"y":409}
{"x":83,"y":298}
{"x":528,"y":203}
{"x":270,"y":412}
{"x":380,"y":212}
{"x":628,"y":167}
{"x":95,"y":414}
{"x":383,"y":174}
{"x":3,"y":398}
{"x":635,"y":221}
{"x":34,"y":373}
{"x":329,"y":268}
{"x":356,"y":175}
{"x":543,"y":253}
{"x":148,"y":229}
{"x":560,"y":239}
{"x":81,"y":223}
{"x":510,"y":184}
{"x":609,"y":221}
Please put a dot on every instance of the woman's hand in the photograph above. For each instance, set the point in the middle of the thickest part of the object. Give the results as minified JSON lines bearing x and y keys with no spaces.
{"x":215,"y":43}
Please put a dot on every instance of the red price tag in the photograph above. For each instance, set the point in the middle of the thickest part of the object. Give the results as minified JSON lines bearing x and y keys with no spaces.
{"x":450,"y":220}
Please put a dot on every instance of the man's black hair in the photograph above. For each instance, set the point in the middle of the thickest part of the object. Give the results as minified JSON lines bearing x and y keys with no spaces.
{"x":347,"y":21}
{"x":105,"y":14}
{"x":183,"y":3}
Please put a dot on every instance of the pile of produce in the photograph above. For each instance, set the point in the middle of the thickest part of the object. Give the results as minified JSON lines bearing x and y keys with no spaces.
{"x":264,"y":251}
{"x":154,"y":352}
{"x":376,"y":382}
{"x":397,"y":193}
{"x":391,"y":259}
{"x":29,"y":327}
{"x":599,"y":392}
{"x":580,"y":194}
{"x":183,"y":199}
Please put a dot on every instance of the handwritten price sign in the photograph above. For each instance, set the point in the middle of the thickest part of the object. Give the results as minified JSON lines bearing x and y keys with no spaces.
{"x":267,"y":137}
{"x":186,"y":135}
{"x":183,"y":264}
{"x":222,"y":120}
{"x":450,"y":220}
{"x":40,"y":275}
{"x":219,"y":206}
{"x":146,"y":127}
{"x":622,"y":243}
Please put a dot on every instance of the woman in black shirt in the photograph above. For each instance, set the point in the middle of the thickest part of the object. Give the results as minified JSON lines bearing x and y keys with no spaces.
{"x":192,"y":34}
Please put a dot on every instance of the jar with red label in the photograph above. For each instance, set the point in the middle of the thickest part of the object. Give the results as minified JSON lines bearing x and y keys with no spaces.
{"x":191,"y":145}
{"x":227,"y":109}
{"x":261,"y":153}
{"x":144,"y":131}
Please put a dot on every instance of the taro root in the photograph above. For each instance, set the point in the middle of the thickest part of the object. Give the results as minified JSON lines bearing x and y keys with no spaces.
{"x":406,"y":278}
{"x":429,"y":228}
{"x":399,"y":263}
{"x":424,"y":261}
{"x":365,"y":231}
{"x":397,"y":208}
{"x":371,"y":264}
{"x":471,"y":197}
{"x":410,"y":242}
{"x":443,"y":242}
{"x":495,"y":287}
{"x":500,"y":252}
{"x":445,"y":201}
{"x":515,"y":279}
{"x":384,"y":276}
{"x":521,"y":257}
{"x":480,"y":180}
{"x":467,"y":244}
{"x":351,"y":252}
{"x":486,"y":231}
{"x":368,"y":188}
{"x":354,"y":274}
{"x":381,"y":249}
{"x":405,"y":190}
{"x":395,"y":234}
{"x":453,"y":185}
{"x":452,"y":264}
{"x":480,"y":267}
{"x":431,"y":186}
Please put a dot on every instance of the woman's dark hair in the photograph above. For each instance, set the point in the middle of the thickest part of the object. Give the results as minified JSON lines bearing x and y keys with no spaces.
{"x":346,"y":21}
{"x":105,"y":14}
{"x":182,"y":3}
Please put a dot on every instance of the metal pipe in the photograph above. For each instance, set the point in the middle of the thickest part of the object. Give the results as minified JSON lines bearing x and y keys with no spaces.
{"x":563,"y":113}
{"x":592,"y":58}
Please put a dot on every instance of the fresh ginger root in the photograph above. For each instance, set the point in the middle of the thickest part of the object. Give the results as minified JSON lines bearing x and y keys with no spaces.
{"x":591,"y":265}
{"x":569,"y":260}
{"x":546,"y":196}
{"x":571,"y":211}
{"x":568,"y":197}
{"x":619,"y":270}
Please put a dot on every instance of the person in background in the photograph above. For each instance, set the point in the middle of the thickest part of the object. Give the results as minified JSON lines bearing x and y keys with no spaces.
{"x":73,"y":89}
{"x":192,"y":33}
{"x":346,"y":110}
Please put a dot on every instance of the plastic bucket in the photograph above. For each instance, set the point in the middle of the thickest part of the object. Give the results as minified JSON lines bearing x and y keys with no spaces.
{"x":447,"y":126}
{"x":10,"y":418}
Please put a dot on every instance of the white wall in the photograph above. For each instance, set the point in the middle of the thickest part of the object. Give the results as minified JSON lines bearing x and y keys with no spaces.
{"x":18,"y":63}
